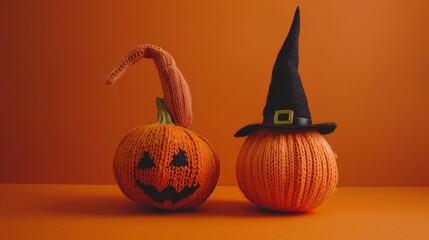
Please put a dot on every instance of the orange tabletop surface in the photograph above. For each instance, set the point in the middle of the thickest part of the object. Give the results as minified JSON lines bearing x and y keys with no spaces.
{"x":38,"y":211}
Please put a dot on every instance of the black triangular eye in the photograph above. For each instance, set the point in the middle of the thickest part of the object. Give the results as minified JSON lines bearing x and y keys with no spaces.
{"x":179,"y":159}
{"x":146,"y":161}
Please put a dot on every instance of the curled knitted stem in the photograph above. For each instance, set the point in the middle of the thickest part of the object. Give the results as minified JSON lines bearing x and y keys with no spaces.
{"x":174,"y":86}
{"x":163,"y":114}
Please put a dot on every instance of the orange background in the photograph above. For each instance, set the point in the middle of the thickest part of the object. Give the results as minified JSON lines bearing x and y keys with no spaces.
{"x":364,"y":65}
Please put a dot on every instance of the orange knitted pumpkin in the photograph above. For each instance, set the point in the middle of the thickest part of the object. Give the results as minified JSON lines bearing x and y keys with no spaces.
{"x":286,"y":170}
{"x":166,"y":166}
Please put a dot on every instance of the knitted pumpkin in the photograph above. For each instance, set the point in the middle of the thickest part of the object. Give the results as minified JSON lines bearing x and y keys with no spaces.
{"x":285,"y":164}
{"x":286,"y":170}
{"x":164,"y":165}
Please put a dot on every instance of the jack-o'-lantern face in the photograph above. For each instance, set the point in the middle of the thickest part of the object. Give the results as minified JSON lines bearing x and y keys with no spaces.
{"x":178,"y":164}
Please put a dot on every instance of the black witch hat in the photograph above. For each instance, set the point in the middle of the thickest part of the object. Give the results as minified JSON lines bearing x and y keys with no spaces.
{"x":287,"y":106}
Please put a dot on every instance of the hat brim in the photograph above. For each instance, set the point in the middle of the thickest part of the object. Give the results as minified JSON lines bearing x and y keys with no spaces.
{"x":322,"y":128}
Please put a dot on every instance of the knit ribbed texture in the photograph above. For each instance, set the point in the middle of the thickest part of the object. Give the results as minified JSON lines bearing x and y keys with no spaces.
{"x":162,"y":142}
{"x":174,"y":86}
{"x":166,"y":166}
{"x":286,"y":170}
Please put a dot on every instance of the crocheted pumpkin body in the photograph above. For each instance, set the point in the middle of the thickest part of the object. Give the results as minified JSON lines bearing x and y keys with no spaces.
{"x":166,"y":166}
{"x":286,"y":170}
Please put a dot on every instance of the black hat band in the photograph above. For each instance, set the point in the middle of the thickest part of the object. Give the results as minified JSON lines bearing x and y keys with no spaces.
{"x":291,"y":120}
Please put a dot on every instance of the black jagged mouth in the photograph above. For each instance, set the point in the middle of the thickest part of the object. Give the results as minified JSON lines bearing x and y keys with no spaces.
{"x":168,"y":193}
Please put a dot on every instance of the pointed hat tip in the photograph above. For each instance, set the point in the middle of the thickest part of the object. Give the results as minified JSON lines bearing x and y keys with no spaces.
{"x":297,"y":12}
{"x":294,"y":28}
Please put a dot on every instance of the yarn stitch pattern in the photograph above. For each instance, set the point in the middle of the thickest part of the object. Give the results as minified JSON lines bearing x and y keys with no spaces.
{"x":148,"y":172}
{"x":165,"y":165}
{"x":286,"y":170}
{"x":174,"y":86}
